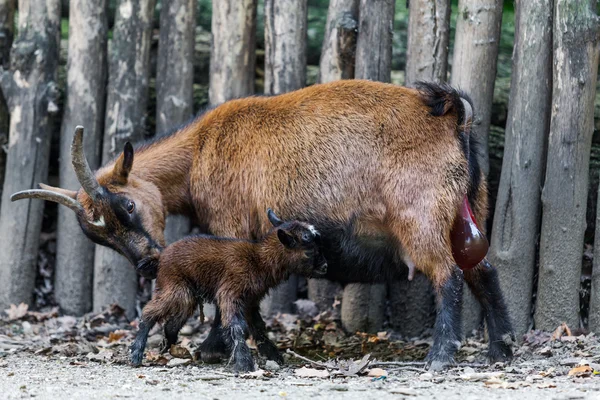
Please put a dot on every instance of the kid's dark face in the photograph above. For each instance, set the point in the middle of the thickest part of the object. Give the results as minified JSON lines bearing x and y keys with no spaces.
{"x":305,"y":239}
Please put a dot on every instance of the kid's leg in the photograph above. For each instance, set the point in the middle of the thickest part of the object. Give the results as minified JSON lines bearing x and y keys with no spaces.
{"x":258,"y":330}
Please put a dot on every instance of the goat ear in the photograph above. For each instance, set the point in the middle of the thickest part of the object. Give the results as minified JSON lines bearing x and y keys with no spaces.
{"x":286,"y":239}
{"x":123,"y":165}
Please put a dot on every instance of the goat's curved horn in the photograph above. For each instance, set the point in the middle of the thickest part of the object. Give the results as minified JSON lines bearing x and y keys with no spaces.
{"x":85,"y":176}
{"x":274,"y":219}
{"x":468,"y":118}
{"x":50,"y":196}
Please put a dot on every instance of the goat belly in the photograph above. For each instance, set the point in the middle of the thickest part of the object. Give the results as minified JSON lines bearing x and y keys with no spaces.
{"x":469,"y":244}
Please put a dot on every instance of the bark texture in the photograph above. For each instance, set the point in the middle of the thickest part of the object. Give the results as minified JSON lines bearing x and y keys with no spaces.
{"x":337,"y":62}
{"x":233,"y":51}
{"x":518,"y":207}
{"x":363,"y":306}
{"x":86,"y":90}
{"x":339,"y":44}
{"x":474,"y":71}
{"x":428,"y":39}
{"x":285,"y":70}
{"x":412,"y":304}
{"x":7,"y":30}
{"x":564,"y":196}
{"x":474,"y":61}
{"x":594,"y":314}
{"x":114,"y":278}
{"x":285,"y":45}
{"x":31,"y":92}
{"x":175,"y":82}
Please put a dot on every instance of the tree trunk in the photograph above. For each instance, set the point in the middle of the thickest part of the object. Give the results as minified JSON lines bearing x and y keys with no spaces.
{"x":575,"y":69}
{"x":363,"y":306}
{"x":337,"y":62}
{"x":517,"y":217}
{"x":30,"y":90}
{"x":474,"y":71}
{"x":594,"y":314}
{"x":339,"y":44}
{"x":86,"y":90}
{"x":114,"y":278}
{"x":285,"y":70}
{"x":174,"y":82}
{"x":412,"y":304}
{"x":474,"y":61}
{"x":7,"y":29}
{"x":232,"y":57}
{"x":428,"y":39}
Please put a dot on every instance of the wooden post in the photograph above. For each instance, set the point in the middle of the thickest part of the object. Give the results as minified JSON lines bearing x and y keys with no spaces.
{"x":412,"y":303}
{"x":564,"y":197}
{"x":232,"y":56}
{"x":474,"y":71}
{"x":30,"y":90}
{"x":285,"y":70}
{"x":175,"y":82}
{"x":86,"y":88}
{"x":518,"y":207}
{"x":115,"y":280}
{"x":337,"y":62}
{"x":7,"y":30}
{"x":363,"y":305}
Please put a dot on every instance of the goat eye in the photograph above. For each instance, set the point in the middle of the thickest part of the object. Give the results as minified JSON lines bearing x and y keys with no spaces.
{"x":306,"y":238}
{"x":130,"y":206}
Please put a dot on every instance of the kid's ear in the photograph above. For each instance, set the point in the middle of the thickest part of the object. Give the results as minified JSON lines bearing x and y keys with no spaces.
{"x":123,"y":164}
{"x":286,"y":239}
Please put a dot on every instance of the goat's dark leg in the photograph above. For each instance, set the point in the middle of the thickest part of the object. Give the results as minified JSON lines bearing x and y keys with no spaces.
{"x":139,"y":344}
{"x":234,"y":333}
{"x":172,"y":328}
{"x":258,"y":330}
{"x":447,"y":329}
{"x":483,"y":282}
{"x":213,"y":349}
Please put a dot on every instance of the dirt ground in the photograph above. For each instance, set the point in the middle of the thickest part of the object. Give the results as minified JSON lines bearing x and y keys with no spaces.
{"x":48,"y":356}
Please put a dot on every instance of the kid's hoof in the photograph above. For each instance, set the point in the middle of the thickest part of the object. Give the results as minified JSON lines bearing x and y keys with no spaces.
{"x":136,"y":359}
{"x":501,"y":351}
{"x":436,"y":366}
{"x":212,"y":357}
{"x":245,"y":365}
{"x":438,"y":361}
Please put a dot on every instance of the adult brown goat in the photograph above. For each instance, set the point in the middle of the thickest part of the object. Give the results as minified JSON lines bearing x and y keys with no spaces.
{"x":387,"y":174}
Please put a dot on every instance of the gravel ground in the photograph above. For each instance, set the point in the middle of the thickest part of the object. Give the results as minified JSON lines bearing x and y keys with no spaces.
{"x":27,"y":375}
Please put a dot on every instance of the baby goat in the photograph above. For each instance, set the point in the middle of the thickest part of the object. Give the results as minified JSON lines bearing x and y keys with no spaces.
{"x":235,"y":274}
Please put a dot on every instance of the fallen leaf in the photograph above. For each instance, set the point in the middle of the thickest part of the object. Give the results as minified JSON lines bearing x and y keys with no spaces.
{"x":259,"y":373}
{"x":115,"y":336}
{"x":102,"y":356}
{"x":377,"y":372}
{"x":311,"y":373}
{"x":546,"y":385}
{"x":481,"y":376}
{"x":548,"y":373}
{"x":16,"y":312}
{"x":156,"y":358}
{"x":562,"y":330}
{"x":582,"y":370}
{"x":179,"y":352}
{"x":176,"y":362}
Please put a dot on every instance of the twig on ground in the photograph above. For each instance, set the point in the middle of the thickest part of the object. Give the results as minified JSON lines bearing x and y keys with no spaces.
{"x":314,"y":363}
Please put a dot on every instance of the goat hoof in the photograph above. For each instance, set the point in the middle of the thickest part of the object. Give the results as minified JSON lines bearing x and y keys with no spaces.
{"x":136,"y":359}
{"x":212,"y":357}
{"x":438,"y":361}
{"x":270,"y":352}
{"x":244,"y":365}
{"x":500,"y":352}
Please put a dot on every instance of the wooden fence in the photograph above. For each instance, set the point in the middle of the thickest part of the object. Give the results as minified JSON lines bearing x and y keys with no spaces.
{"x":539,"y":221}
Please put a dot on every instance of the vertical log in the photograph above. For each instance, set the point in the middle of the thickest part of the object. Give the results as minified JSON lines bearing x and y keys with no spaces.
{"x":337,"y":62}
{"x":564,"y":197}
{"x":363,"y":305}
{"x":518,"y":208}
{"x":30,"y":90}
{"x":285,"y":70}
{"x":7,"y":30}
{"x":474,"y":71}
{"x":174,"y":82}
{"x":594,"y":316}
{"x":412,"y":303}
{"x":86,"y":88}
{"x":114,"y":278}
{"x":232,"y":56}
{"x":428,"y":39}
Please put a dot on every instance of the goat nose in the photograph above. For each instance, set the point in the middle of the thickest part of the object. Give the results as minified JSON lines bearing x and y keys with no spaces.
{"x":322,"y":269}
